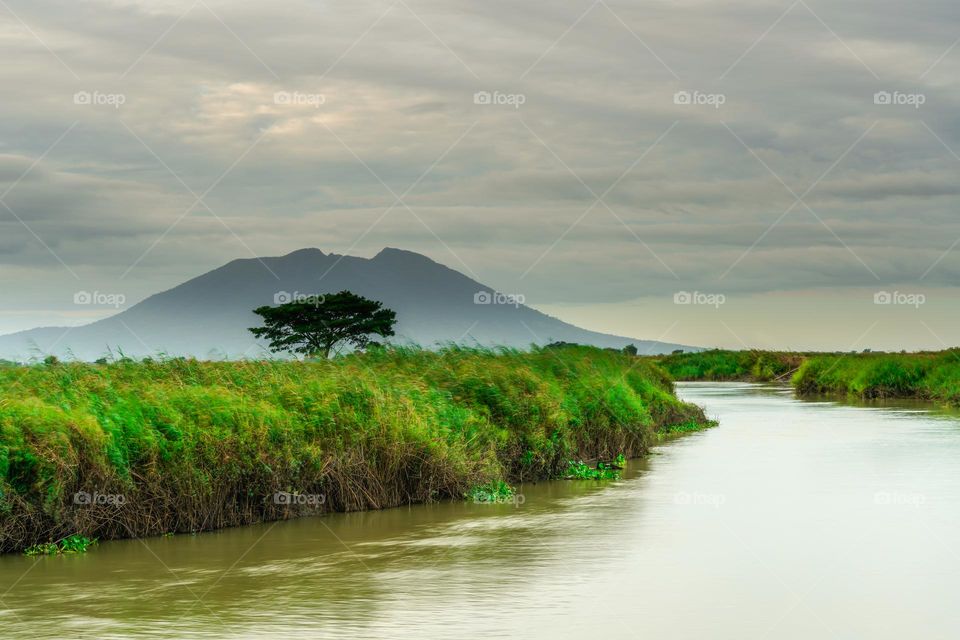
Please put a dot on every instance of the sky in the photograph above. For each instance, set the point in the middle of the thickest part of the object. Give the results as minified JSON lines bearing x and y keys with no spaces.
{"x":737,"y":174}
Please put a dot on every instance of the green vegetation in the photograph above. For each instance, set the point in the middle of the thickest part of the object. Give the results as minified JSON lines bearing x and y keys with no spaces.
{"x":686,"y":427}
{"x":720,"y":365}
{"x":70,"y":544}
{"x":315,"y":326}
{"x":492,"y":492}
{"x":578,"y":470}
{"x":145,"y":448}
{"x":931,"y":376}
{"x":926,"y":376}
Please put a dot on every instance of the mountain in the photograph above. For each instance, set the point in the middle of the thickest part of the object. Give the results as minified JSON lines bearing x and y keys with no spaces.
{"x":210,"y":314}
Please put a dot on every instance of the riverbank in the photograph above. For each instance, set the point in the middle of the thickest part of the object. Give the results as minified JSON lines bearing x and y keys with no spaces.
{"x":133,"y":449}
{"x":933,"y":376}
{"x":719,"y":365}
{"x":924,"y":376}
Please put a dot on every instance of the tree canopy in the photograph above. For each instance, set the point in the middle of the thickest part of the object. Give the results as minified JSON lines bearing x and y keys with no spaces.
{"x":315,"y":327}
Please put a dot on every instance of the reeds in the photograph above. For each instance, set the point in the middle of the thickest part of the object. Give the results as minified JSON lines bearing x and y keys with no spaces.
{"x":931,"y":376}
{"x":129,"y":449}
{"x":926,"y":376}
{"x":720,"y":365}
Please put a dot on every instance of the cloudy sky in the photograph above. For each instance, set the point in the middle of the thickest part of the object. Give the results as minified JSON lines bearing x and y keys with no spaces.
{"x":781,"y":166}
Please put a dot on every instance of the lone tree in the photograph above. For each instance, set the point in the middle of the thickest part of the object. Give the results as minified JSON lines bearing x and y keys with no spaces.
{"x":314,"y":327}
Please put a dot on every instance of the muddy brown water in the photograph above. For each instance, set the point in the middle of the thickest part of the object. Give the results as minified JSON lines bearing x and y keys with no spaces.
{"x":790,"y":520}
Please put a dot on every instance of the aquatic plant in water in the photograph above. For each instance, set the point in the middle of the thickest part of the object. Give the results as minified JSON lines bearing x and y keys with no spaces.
{"x":70,"y":544}
{"x":491,"y":493}
{"x":578,"y":470}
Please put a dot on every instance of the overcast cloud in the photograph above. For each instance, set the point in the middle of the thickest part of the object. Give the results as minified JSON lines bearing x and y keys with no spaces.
{"x":143,"y":143}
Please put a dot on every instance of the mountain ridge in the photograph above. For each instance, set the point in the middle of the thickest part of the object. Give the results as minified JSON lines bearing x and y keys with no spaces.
{"x":211,"y":312}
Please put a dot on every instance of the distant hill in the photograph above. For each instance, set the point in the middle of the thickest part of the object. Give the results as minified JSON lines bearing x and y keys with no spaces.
{"x":209,"y":315}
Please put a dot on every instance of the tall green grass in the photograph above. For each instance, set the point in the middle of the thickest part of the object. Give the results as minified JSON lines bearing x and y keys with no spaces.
{"x":931,"y":376}
{"x":926,"y":376}
{"x":140,"y":448}
{"x":723,"y":365}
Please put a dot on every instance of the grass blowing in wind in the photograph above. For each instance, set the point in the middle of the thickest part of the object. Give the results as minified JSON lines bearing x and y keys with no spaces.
{"x":182,"y":445}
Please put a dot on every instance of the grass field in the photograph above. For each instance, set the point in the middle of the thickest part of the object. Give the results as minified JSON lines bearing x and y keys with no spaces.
{"x":931,"y":376}
{"x":143,"y":448}
{"x":926,"y":376}
{"x":722,"y":365}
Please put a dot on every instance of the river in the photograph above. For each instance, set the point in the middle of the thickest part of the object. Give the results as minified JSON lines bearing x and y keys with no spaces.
{"x":791,"y":519}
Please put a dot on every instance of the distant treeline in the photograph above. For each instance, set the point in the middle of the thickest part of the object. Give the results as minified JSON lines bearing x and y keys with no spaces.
{"x":931,"y":376}
{"x":143,"y":448}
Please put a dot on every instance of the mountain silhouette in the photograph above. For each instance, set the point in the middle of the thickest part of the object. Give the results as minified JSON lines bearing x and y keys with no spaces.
{"x":209,"y":316}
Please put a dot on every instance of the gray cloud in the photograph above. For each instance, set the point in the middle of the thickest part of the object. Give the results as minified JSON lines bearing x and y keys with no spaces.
{"x":503,"y":185}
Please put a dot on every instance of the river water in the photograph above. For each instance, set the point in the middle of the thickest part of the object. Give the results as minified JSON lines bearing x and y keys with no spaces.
{"x":790,"y":520}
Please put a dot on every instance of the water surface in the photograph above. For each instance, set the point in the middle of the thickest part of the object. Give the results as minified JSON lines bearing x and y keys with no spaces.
{"x":790,"y":520}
